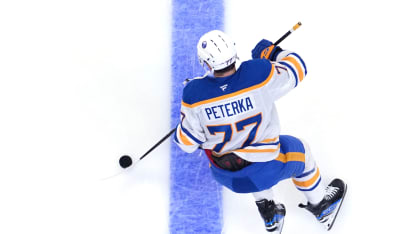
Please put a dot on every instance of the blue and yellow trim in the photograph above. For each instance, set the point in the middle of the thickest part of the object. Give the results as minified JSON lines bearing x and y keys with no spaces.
{"x":230,"y":95}
{"x":291,"y":157}
{"x":296,"y":65}
{"x":308,"y":181}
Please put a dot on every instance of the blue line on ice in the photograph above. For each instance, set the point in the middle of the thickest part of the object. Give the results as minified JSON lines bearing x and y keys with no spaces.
{"x":195,"y":198}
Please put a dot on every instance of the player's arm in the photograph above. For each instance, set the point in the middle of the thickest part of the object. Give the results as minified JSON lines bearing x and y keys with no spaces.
{"x":189,"y":134}
{"x":290,"y":69}
{"x":293,"y":63}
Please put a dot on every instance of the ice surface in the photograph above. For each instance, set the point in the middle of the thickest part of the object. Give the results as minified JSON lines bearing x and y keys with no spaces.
{"x":83,"y":82}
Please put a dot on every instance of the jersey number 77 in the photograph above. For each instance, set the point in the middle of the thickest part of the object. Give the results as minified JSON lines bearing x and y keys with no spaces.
{"x":240,"y":126}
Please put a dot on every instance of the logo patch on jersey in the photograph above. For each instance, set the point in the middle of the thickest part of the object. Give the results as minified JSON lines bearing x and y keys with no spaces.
{"x":224,"y":87}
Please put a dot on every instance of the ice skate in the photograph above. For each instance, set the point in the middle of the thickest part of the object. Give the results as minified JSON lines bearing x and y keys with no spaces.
{"x":272,"y":214}
{"x":326,"y":211}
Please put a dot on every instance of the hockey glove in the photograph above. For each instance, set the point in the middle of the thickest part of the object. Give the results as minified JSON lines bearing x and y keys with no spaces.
{"x":265,"y":49}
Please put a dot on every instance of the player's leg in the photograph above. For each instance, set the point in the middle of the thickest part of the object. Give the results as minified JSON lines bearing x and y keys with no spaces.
{"x":272,"y":213}
{"x":309,"y":181}
{"x":289,"y":162}
{"x":323,"y":202}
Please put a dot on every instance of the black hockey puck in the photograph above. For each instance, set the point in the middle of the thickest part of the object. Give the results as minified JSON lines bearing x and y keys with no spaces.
{"x":125,"y":161}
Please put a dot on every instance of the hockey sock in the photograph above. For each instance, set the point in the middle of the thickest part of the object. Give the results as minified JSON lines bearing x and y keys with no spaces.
{"x":265,"y":194}
{"x":309,"y":182}
{"x":311,"y":185}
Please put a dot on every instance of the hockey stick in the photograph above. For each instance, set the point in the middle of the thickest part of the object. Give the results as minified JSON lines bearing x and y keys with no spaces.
{"x":126,"y":161}
{"x":158,"y":143}
{"x":288,"y":33}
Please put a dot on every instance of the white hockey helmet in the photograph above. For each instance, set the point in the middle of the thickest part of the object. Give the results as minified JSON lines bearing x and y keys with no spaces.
{"x":217,"y":50}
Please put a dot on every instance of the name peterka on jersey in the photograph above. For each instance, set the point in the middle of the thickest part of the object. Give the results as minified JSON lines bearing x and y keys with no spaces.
{"x":230,"y":108}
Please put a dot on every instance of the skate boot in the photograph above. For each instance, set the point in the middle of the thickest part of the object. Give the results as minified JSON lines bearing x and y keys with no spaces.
{"x":272,"y":214}
{"x":326,"y":211}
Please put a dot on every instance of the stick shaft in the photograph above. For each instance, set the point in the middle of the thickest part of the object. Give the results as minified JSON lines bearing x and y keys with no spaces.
{"x":158,"y":143}
{"x":288,"y":33}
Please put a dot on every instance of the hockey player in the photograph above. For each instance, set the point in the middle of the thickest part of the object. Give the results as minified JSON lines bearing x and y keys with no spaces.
{"x":232,"y":116}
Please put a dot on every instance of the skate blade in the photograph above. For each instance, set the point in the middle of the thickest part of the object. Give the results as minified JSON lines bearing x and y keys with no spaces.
{"x":329,"y":221}
{"x":279,"y":227}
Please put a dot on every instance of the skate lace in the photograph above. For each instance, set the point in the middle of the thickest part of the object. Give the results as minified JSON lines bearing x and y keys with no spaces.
{"x":330,"y":192}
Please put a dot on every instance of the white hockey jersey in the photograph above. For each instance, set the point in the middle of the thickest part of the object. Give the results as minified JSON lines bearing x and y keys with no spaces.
{"x":237,"y":113}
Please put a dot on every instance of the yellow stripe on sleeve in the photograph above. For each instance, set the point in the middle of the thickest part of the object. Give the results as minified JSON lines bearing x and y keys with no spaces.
{"x":184,"y":138}
{"x":297,"y":66}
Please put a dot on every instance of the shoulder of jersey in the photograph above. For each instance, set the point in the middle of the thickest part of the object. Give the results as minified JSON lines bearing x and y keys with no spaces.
{"x":249,"y":74}
{"x":258,"y":68}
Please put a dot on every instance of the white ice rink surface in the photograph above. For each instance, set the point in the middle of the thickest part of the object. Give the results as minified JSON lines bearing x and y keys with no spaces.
{"x":83,"y":82}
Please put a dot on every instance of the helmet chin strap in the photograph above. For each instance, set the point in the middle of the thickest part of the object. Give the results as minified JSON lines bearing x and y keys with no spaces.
{"x":198,"y":77}
{"x":209,"y":67}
